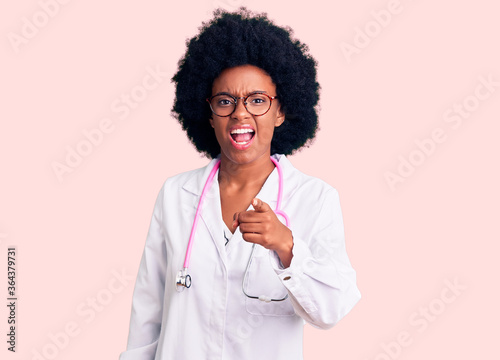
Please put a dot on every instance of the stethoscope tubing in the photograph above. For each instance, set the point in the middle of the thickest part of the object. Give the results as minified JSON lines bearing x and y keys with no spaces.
{"x":277,"y":211}
{"x":197,"y":215}
{"x":183,"y":280}
{"x":262,"y":298}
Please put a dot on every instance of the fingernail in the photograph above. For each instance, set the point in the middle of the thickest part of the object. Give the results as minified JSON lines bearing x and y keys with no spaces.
{"x":254,"y":202}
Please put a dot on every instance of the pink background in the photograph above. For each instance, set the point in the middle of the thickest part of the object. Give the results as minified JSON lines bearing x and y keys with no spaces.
{"x":438,"y":224}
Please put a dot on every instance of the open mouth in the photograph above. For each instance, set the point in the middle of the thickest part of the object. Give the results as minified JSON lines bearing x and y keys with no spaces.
{"x":242,"y":136}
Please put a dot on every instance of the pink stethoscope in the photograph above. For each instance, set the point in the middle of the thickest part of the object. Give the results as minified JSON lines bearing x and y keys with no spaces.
{"x":183,"y":280}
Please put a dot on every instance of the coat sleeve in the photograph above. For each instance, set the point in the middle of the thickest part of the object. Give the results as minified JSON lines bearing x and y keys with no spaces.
{"x":147,"y":302}
{"x":320,"y":280}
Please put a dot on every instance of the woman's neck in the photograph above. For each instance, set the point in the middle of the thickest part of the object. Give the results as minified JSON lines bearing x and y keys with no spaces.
{"x":240,"y":176}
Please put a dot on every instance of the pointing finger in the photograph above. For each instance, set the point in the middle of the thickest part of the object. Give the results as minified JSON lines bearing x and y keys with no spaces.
{"x":260,"y":206}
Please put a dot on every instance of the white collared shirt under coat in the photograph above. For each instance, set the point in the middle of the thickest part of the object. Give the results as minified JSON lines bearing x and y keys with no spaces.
{"x":213,"y":319}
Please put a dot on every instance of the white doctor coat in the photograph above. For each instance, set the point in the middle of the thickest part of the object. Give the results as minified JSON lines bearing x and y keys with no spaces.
{"x":213,"y":319}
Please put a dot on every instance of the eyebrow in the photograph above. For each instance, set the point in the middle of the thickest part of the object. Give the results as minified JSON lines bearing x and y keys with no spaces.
{"x":250,"y":93}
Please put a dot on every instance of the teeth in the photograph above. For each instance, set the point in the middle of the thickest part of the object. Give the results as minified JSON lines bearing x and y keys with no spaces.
{"x":241,"y":131}
{"x":242,"y":143}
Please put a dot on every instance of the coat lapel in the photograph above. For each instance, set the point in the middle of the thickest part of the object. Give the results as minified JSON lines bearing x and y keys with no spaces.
{"x":210,"y":219}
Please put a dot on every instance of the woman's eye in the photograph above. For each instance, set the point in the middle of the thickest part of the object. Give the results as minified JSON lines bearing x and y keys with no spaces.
{"x":224,"y":102}
{"x":257,"y":100}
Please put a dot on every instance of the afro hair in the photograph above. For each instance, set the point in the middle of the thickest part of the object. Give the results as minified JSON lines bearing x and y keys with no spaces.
{"x":240,"y":38}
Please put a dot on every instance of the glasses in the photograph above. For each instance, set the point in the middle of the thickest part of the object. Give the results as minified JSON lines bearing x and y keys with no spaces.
{"x":257,"y":104}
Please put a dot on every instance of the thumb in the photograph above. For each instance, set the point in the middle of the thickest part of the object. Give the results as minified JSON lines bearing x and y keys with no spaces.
{"x":236,"y":222}
{"x":260,"y":206}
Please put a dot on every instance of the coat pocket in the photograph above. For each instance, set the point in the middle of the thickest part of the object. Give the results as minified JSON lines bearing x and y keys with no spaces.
{"x":262,"y":281}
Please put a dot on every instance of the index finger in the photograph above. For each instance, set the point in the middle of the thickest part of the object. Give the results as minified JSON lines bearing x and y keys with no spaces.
{"x":260,"y":206}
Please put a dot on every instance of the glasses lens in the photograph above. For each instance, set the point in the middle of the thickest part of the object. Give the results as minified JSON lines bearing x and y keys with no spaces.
{"x":222,"y":105}
{"x":258,"y":104}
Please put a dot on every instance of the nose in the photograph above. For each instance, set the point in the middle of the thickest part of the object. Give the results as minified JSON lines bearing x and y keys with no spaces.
{"x":240,"y":112}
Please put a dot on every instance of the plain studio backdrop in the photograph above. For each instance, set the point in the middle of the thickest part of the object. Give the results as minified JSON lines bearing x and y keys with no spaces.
{"x":409,"y":116}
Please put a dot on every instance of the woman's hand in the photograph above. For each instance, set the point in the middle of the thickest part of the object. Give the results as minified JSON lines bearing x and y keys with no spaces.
{"x":262,"y":226}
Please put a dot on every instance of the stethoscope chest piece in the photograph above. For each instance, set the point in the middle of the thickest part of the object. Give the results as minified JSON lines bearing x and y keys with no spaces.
{"x":182,"y":280}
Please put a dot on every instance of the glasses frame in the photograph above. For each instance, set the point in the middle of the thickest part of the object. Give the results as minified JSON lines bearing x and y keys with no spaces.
{"x":236,"y":98}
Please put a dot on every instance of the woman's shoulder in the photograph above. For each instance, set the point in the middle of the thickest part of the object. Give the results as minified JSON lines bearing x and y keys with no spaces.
{"x":190,"y":179}
{"x":301,"y":182}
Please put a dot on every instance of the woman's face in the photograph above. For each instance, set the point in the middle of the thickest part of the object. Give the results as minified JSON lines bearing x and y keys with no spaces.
{"x":243,"y":137}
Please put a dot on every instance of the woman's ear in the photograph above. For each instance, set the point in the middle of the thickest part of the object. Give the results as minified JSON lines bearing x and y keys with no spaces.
{"x":280,"y":117}
{"x":211,"y":121}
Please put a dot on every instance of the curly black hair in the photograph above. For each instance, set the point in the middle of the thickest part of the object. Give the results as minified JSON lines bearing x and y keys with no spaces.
{"x":239,"y":38}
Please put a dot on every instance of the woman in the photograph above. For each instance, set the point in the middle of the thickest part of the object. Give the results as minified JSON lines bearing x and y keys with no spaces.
{"x":268,"y":250}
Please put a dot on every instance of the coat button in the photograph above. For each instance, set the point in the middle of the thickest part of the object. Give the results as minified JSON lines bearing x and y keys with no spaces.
{"x":287,"y":278}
